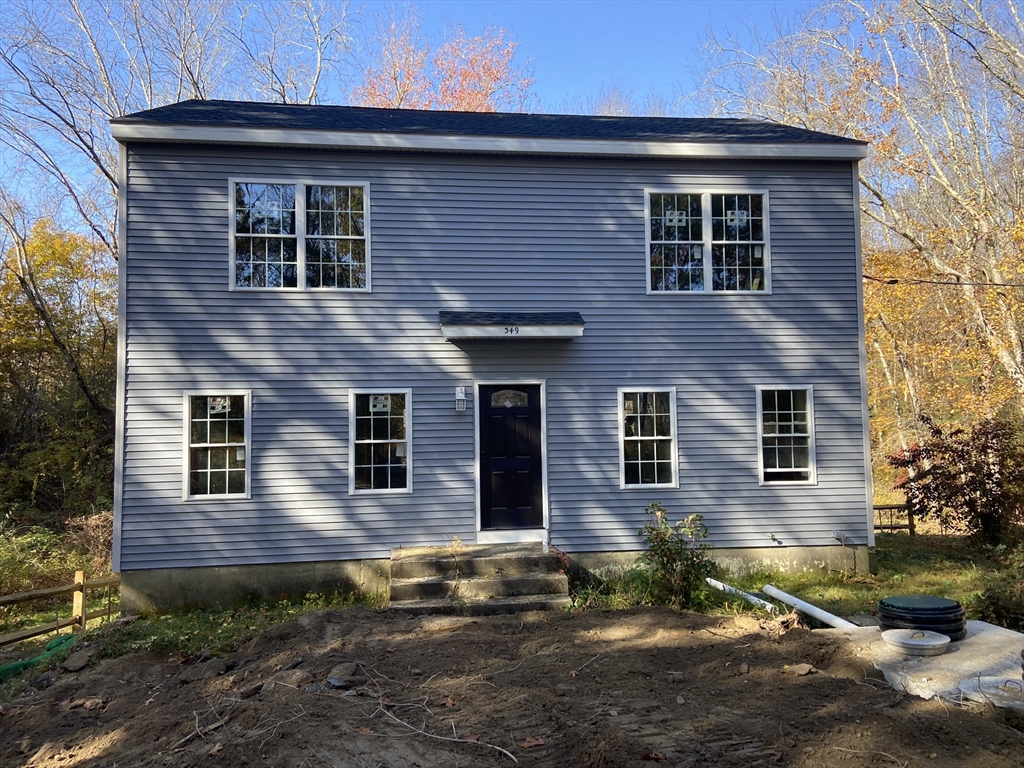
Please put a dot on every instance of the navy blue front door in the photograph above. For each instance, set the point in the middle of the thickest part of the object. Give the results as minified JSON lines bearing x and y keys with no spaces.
{"x":511,"y":467}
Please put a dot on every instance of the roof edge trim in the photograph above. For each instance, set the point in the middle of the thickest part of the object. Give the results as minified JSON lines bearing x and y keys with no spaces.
{"x":126,"y":133}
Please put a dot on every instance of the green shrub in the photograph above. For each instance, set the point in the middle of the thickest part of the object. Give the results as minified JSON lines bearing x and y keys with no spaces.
{"x":37,"y":557}
{"x":34,"y":558}
{"x":676,"y":559}
{"x":1002,"y":602}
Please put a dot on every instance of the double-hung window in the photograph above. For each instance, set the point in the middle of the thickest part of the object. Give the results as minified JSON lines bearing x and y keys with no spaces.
{"x":217,"y":444}
{"x":647,"y":437}
{"x":786,"y":434}
{"x":299,"y":235}
{"x":707,"y":241}
{"x":380,"y":450}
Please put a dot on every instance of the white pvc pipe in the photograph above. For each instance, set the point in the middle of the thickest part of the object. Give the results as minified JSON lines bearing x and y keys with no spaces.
{"x":753,"y":600}
{"x":810,"y":610}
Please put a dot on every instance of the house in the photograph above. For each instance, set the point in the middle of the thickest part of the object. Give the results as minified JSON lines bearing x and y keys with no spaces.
{"x":346,"y":330}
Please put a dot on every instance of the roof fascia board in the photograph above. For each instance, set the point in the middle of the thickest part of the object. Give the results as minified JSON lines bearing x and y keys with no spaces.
{"x":125,"y":133}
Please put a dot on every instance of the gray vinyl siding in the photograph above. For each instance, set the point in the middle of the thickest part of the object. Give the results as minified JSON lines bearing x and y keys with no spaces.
{"x":463,"y":232}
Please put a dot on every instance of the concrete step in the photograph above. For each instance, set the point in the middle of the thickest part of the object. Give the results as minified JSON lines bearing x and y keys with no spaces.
{"x":475,"y":560}
{"x":478,"y":587}
{"x":476,"y":580}
{"x":493,"y":607}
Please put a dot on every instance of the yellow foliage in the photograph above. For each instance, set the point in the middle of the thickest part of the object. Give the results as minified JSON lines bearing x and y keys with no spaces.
{"x":78,"y":283}
{"x":945,"y":360}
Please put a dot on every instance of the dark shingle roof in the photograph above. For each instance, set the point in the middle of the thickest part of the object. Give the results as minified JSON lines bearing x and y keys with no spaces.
{"x":497,"y":124}
{"x":510,"y":318}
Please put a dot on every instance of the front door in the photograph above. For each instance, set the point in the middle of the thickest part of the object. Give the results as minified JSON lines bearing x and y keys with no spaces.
{"x":511,"y":466}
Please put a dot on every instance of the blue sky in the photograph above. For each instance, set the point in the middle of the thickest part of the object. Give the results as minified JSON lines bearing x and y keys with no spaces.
{"x":577,"y":47}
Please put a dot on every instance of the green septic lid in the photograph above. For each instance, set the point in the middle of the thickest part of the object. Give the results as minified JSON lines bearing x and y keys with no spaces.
{"x":913,"y":603}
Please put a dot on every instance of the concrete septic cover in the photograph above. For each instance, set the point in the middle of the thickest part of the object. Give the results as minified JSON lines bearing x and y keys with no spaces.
{"x":985,"y":666}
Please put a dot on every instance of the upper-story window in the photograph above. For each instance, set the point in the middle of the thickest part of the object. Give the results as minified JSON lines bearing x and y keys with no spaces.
{"x":298,"y":235}
{"x":707,"y":241}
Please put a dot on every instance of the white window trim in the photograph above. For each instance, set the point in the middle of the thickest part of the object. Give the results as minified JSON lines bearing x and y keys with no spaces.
{"x":300,"y":230}
{"x":812,"y":452}
{"x":622,"y":437}
{"x":186,"y":436}
{"x":385,"y":390}
{"x":705,"y":203}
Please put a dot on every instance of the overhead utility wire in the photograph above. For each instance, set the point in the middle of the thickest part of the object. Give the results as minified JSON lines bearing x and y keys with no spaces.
{"x":919,"y":281}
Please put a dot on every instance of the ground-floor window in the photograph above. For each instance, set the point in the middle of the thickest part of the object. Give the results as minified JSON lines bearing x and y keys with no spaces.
{"x":217,"y":440}
{"x":647,"y":429}
{"x":786,"y":434}
{"x":380,"y":445}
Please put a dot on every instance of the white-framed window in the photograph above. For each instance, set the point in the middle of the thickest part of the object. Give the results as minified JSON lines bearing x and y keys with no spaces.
{"x":785,"y":431}
{"x":647,"y":437}
{"x":699,"y":241}
{"x":217,"y":444}
{"x":380,"y":440}
{"x":299,"y":235}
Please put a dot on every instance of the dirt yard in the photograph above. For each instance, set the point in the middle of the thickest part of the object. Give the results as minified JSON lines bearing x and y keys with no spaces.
{"x":366,"y":689}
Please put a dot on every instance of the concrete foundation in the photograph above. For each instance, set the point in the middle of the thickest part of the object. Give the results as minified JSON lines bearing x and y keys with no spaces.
{"x":742,"y":561}
{"x":160,"y":590}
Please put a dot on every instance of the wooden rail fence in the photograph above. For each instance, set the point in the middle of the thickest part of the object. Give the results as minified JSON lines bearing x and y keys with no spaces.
{"x":79,"y":616}
{"x":892,"y":525}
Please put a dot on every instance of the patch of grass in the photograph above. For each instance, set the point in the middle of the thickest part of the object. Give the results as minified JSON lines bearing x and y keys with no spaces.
{"x":206,"y":631}
{"x":618,"y":587}
{"x":945,"y":566}
{"x":614,"y":588}
{"x":1002,"y":602}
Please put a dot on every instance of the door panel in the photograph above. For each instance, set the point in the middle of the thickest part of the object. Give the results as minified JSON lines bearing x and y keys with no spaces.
{"x":511,"y":465}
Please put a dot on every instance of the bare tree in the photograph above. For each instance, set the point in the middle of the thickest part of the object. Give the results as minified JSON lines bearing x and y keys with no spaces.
{"x":396,"y":75}
{"x":293,"y":47}
{"x":617,"y":99}
{"x":934,"y":85}
{"x":69,"y":66}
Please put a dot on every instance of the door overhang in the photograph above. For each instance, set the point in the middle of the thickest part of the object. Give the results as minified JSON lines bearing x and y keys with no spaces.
{"x":510,"y":325}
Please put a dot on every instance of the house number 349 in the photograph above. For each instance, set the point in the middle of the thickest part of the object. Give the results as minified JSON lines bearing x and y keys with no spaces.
{"x":511,"y":330}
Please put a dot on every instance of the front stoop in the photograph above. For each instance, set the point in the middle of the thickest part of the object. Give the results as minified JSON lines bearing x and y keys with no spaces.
{"x":477,"y":580}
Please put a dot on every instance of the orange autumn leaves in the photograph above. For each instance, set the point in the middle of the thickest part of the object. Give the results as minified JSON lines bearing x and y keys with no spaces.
{"x":468,"y":73}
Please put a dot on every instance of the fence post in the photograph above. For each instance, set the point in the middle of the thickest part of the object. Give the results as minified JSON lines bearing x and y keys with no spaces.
{"x":78,"y":603}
